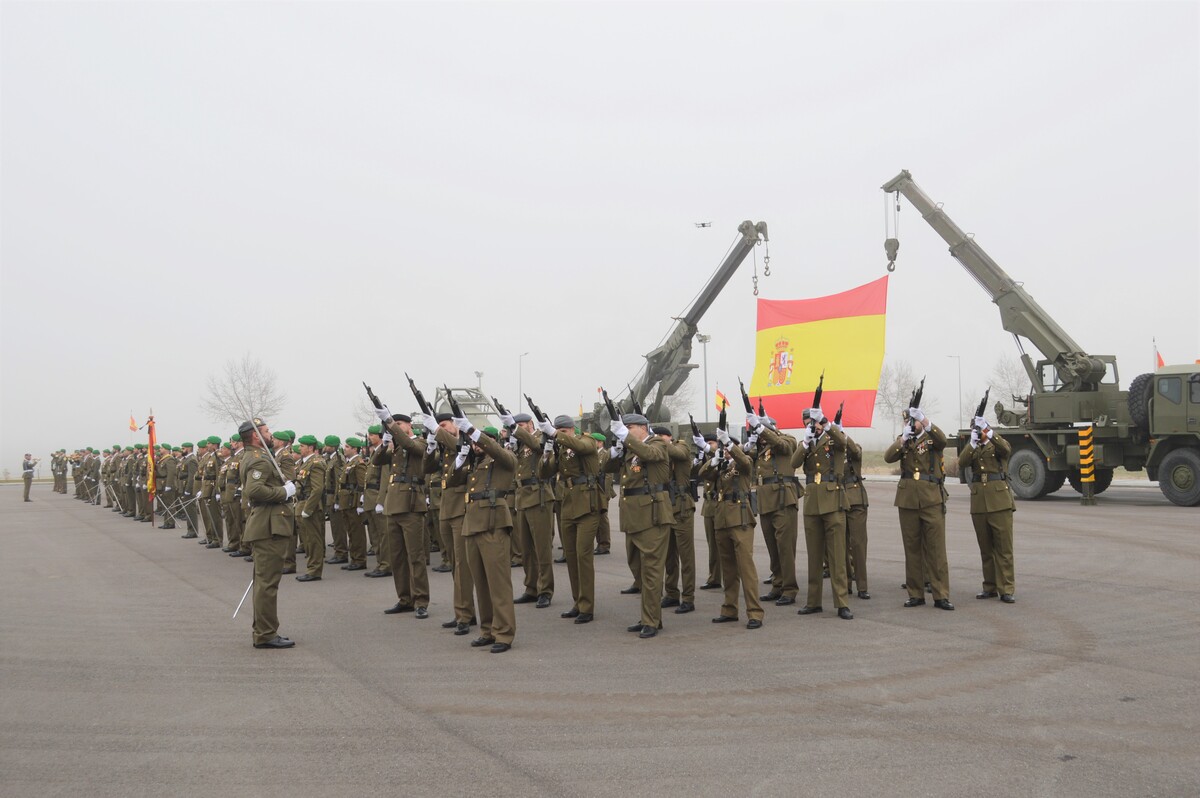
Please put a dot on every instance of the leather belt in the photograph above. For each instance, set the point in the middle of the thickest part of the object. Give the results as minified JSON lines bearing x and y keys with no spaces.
{"x":810,"y":480}
{"x":582,"y":480}
{"x":644,"y":491}
{"x":401,"y":479}
{"x":372,"y":486}
{"x":774,"y":480}
{"x":525,"y":483}
{"x":733,"y":496}
{"x":480,"y":495}
{"x":924,"y":477}
{"x":985,"y":478}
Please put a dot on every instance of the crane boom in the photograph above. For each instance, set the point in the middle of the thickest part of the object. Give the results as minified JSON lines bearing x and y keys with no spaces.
{"x":669,"y":364}
{"x":1020,"y":314}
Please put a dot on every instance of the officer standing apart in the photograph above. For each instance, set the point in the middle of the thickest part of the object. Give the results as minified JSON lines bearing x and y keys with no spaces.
{"x":27,"y":467}
{"x":646,"y":512}
{"x":823,"y":458}
{"x":992,"y":508}
{"x":270,"y":526}
{"x":921,"y":501}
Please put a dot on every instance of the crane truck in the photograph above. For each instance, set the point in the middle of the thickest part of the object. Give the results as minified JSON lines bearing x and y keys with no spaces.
{"x":1152,"y":426}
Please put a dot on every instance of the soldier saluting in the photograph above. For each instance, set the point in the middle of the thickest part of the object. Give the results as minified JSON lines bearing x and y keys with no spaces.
{"x":921,"y":502}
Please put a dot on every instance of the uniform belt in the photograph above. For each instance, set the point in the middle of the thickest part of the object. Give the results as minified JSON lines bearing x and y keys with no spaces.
{"x":733,"y":496}
{"x":525,"y":483}
{"x":352,"y":488}
{"x":773,"y":480}
{"x":480,"y":495}
{"x":809,"y":480}
{"x":924,"y":477}
{"x":330,"y":491}
{"x":582,"y":480}
{"x":710,"y":495}
{"x":372,"y":486}
{"x":986,"y":478}
{"x":400,"y":479}
{"x":644,"y":491}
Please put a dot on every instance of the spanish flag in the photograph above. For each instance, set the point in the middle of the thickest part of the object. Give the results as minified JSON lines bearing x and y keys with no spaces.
{"x":841,"y":335}
{"x":150,"y":455}
{"x":132,"y":424}
{"x":721,"y":401}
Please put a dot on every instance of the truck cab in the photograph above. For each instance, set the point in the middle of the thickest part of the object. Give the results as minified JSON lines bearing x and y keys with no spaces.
{"x":1172,"y":401}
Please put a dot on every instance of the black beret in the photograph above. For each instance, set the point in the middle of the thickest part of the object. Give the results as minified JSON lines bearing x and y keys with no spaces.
{"x":401,"y":417}
{"x":443,"y":417}
{"x":660,"y":429}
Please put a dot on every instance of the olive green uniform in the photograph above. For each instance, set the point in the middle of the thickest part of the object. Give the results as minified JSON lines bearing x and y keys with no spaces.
{"x":433,"y":518}
{"x":992,"y":509}
{"x":287,"y":464}
{"x":231,"y":503}
{"x":680,"y":581}
{"x":452,"y":509}
{"x":486,"y":528}
{"x":377,"y":535}
{"x":921,"y":502}
{"x":576,"y":463}
{"x":404,"y":508}
{"x":856,"y":518}
{"x":166,"y":485}
{"x":335,"y":469}
{"x":778,"y":491}
{"x":825,"y":506}
{"x":646,"y":514}
{"x":535,"y":513}
{"x":270,"y":525}
{"x":189,"y":466}
{"x":350,"y":497}
{"x":728,"y":479}
{"x":310,"y":494}
{"x":210,"y":508}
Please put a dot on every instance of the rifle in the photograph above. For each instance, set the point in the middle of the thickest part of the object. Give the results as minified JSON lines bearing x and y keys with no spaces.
{"x":500,"y":407}
{"x":421,"y":403}
{"x":979,"y":411}
{"x":913,"y":402}
{"x":812,"y":422}
{"x":634,"y":404}
{"x":838,"y":418}
{"x":537,"y":411}
{"x":762,"y":411}
{"x":608,"y":403}
{"x":745,"y":397}
{"x":371,"y":395}
{"x":695,"y":429}
{"x":721,"y":419}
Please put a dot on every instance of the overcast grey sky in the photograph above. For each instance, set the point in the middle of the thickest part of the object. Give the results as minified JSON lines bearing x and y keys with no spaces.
{"x":349,"y":191}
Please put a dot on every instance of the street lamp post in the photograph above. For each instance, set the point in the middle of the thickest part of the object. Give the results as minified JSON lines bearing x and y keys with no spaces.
{"x":520,"y":382}
{"x":960,"y":416}
{"x":704,"y":339}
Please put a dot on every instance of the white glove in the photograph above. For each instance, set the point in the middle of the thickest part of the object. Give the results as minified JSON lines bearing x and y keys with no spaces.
{"x":430,"y":445}
{"x":384,"y":414}
{"x":619,"y":429}
{"x":459,"y":460}
{"x":546,"y":428}
{"x":616,"y":452}
{"x":168,"y":489}
{"x":753,"y":420}
{"x":701,"y":444}
{"x":379,"y":509}
{"x":750,"y":443}
{"x":337,"y":506}
{"x":548,"y":446}
{"x":809,"y":438}
{"x":511,"y":444}
{"x":427,"y":421}
{"x":462,"y":424}
{"x":289,"y":488}
{"x":475,"y":434}
{"x":360,"y":511}
{"x":974,"y":439}
{"x":980,"y":422}
{"x":916,"y":414}
{"x":305,"y":514}
{"x":723,"y":436}
{"x":217,"y":496}
{"x":906,"y":434}
{"x":507,"y":420}
{"x":187,"y":493}
{"x":816,"y":415}
{"x":387,"y":438}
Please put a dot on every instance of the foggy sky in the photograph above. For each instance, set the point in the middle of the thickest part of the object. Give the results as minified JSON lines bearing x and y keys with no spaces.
{"x":350,"y":191}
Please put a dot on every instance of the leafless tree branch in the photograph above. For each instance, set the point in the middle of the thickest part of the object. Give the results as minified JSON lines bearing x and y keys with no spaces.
{"x":245,"y":387}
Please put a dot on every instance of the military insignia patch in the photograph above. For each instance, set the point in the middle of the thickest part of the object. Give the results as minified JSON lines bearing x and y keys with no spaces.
{"x":256,"y":474}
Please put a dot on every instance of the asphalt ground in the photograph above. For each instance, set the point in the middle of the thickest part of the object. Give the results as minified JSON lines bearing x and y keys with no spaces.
{"x":122,"y":673}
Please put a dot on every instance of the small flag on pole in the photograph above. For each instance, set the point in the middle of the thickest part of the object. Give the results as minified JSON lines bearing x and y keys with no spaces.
{"x":1158,"y":361}
{"x":721,"y":401}
{"x":132,"y":423}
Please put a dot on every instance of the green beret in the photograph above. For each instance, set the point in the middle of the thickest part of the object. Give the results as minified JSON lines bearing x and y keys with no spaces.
{"x":296,"y":448}
{"x":89,"y":448}
{"x":186,"y":445}
{"x":129,"y":448}
{"x":116,"y":447}
{"x":280,"y":435}
{"x":495,"y":433}
{"x":375,"y":429}
{"x":176,"y":449}
{"x":333,"y":440}
{"x":309,"y":440}
{"x":162,"y":445}
{"x":139,"y":446}
{"x":354,"y":443}
{"x":291,"y":436}
{"x":599,"y":436}
{"x":214,"y":439}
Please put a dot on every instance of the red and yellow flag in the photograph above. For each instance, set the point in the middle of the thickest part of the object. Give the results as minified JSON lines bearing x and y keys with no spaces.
{"x":150,"y":463}
{"x":132,"y":423}
{"x":721,"y":401}
{"x":841,"y":335}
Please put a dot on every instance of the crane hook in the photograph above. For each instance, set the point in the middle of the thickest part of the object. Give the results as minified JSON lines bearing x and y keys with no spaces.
{"x":891,"y":247}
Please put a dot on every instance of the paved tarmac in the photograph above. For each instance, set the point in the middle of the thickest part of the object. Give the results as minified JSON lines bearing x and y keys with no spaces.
{"x":122,"y":674}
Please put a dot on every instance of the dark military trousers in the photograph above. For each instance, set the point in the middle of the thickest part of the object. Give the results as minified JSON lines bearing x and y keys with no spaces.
{"x":28,"y":484}
{"x":191,"y":512}
{"x":681,"y":556}
{"x":994,"y":531}
{"x":736,"y":548}
{"x":579,"y":546}
{"x":768,"y":533}
{"x":488,"y":555}
{"x":535,"y":528}
{"x":924,"y":535}
{"x":783,"y":526}
{"x":130,"y":500}
{"x":406,"y":550}
{"x":464,"y":584}
{"x":714,"y":555}
{"x":268,"y":569}
{"x":825,"y":539}
{"x":445,"y":538}
{"x":651,"y":545}
{"x":312,"y":537}
{"x":856,"y":546}
{"x":603,"y":532}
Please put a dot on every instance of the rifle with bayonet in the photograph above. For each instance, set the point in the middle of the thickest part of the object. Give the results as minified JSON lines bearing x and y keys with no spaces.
{"x":613,"y":413}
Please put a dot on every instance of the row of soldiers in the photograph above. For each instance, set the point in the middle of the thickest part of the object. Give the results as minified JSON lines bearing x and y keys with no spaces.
{"x":422,"y":483}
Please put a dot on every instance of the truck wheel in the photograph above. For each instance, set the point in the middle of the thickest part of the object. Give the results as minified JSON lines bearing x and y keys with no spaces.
{"x":1027,"y":474}
{"x":1179,"y":477}
{"x":1139,"y":400}
{"x":1104,"y":478}
{"x":1054,"y":481}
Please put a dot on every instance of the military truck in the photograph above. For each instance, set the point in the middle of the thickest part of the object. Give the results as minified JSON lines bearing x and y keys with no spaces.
{"x":1155,"y":425}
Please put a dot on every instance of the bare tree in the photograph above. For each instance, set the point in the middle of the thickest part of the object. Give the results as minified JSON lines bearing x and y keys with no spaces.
{"x":245,"y":386}
{"x":896,"y":383}
{"x":1008,"y":379}
{"x":364,"y":412}
{"x":682,"y":402}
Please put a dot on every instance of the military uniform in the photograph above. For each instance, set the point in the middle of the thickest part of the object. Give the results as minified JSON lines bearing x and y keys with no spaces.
{"x":27,"y":468}
{"x":576,"y":463}
{"x":377,"y":535}
{"x":708,"y":512}
{"x":728,"y":475}
{"x":535,"y":515}
{"x":269,"y":526}
{"x":777,"y":493}
{"x":921,"y":502}
{"x":189,"y":466}
{"x":210,"y":508}
{"x":486,"y":527}
{"x":404,"y":508}
{"x":310,"y":495}
{"x":823,"y":458}
{"x":452,"y":510}
{"x":286,"y":461}
{"x":679,"y":586}
{"x":350,"y":499}
{"x":856,"y":520}
{"x":334,"y":472}
{"x":992,"y":509}
{"x":433,"y":518}
{"x":647,"y":515}
{"x":231,"y":504}
{"x":166,"y":485}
